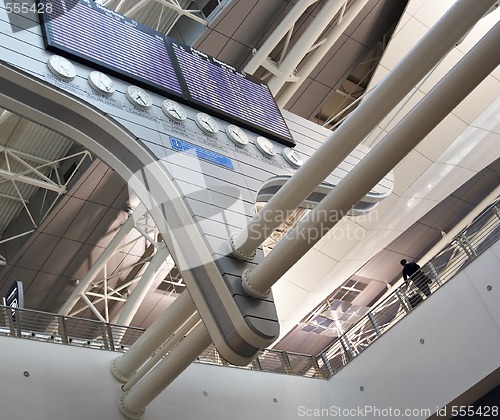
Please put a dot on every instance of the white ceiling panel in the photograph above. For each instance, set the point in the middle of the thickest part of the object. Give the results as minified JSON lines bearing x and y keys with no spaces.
{"x":438,"y":140}
{"x":405,"y":176}
{"x":479,"y":100}
{"x":430,"y":15}
{"x":311,"y":269}
{"x":406,"y":38}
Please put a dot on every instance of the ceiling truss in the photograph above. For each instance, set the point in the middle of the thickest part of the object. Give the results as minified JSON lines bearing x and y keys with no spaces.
{"x":23,"y":174}
{"x":104,"y":286}
{"x":161,"y":15}
{"x":295,"y":64}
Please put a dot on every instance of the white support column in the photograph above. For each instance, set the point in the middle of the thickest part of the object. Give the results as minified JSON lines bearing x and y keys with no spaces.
{"x":476,"y":65}
{"x":172,"y":318}
{"x":271,"y":42}
{"x":102,"y":260}
{"x":459,"y":19}
{"x":315,"y":57}
{"x":141,"y":289}
{"x":133,"y":403}
{"x":169,"y":345}
{"x":303,"y":46}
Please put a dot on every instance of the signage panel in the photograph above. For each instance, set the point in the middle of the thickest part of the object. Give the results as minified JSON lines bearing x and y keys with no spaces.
{"x":201,"y":153}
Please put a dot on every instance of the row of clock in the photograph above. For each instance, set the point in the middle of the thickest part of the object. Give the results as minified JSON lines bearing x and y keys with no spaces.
{"x":104,"y":85}
{"x":177,"y":113}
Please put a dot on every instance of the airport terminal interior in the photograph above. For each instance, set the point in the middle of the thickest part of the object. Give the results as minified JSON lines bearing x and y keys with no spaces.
{"x":71,"y":227}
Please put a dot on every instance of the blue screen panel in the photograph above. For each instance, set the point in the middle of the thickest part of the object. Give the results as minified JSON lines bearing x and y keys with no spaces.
{"x":201,"y":153}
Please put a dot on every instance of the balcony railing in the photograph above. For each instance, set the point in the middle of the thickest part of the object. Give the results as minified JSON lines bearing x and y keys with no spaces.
{"x":483,"y":232}
{"x":80,"y":332}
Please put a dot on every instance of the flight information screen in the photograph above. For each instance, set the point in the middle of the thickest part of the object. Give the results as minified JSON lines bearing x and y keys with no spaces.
{"x":100,"y":38}
{"x":227,"y":90}
{"x":103,"y":39}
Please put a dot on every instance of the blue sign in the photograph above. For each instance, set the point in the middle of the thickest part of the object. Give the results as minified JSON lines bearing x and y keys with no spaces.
{"x":201,"y":153}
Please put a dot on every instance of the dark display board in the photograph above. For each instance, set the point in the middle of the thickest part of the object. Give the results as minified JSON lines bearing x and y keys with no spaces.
{"x":88,"y":33}
{"x":225,"y":89}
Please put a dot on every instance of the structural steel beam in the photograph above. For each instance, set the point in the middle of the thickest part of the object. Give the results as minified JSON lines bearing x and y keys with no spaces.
{"x":304,"y":44}
{"x":81,"y":288}
{"x":16,"y":177}
{"x":315,"y":57}
{"x":285,"y":26}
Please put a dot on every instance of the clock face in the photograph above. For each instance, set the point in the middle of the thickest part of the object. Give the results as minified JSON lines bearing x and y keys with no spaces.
{"x":206,"y":123}
{"x":292,"y":157}
{"x":174,"y":111}
{"x":61,"y":67}
{"x":139,"y":97}
{"x":101,"y":83}
{"x":237,"y":135}
{"x":265,"y":146}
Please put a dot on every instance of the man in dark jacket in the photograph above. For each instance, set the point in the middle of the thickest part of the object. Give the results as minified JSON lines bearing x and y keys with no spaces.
{"x":412,"y":271}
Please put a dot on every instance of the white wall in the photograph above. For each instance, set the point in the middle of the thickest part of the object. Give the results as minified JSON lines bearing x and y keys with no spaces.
{"x":460,"y":326}
{"x":68,"y":383}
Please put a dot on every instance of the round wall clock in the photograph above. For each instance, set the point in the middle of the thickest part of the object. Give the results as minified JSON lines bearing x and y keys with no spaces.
{"x":101,"y":83}
{"x":292,"y":157}
{"x":61,"y":67}
{"x":206,"y":123}
{"x":173,"y":110}
{"x":237,"y":135}
{"x":139,"y":97}
{"x":265,"y":146}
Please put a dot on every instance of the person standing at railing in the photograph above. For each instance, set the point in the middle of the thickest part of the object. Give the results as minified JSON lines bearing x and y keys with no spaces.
{"x":412,"y":271}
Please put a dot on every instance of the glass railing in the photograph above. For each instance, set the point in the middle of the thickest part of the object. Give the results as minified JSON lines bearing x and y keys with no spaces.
{"x":80,"y":332}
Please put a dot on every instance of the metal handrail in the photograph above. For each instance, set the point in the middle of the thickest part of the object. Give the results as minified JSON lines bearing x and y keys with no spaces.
{"x":471,"y":242}
{"x":81,"y":332}
{"x":54,"y":328}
